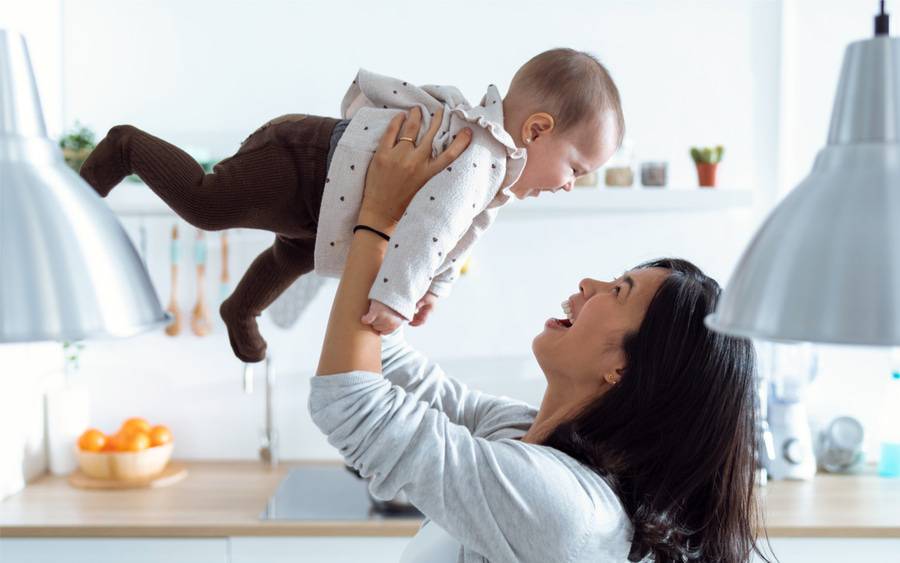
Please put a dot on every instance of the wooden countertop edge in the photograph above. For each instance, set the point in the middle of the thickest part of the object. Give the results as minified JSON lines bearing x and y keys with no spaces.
{"x":399,"y":528}
{"x":862,"y":532}
{"x":406,"y":528}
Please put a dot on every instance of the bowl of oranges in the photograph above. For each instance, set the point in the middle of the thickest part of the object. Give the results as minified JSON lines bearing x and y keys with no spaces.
{"x":138,"y":450}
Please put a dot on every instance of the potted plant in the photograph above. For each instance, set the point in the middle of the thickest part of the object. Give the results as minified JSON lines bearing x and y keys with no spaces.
{"x":76,"y":145}
{"x":707,"y":160}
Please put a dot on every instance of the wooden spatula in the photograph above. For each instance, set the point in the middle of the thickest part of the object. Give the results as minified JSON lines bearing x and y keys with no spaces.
{"x":173,"y":328}
{"x":200,"y":322}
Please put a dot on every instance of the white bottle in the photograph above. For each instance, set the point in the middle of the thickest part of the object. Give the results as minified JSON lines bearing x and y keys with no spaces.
{"x":67,"y":408}
{"x":791,"y":434}
{"x":794,"y":367}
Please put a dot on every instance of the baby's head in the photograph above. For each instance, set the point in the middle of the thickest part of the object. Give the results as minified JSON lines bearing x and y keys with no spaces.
{"x":564,"y":108}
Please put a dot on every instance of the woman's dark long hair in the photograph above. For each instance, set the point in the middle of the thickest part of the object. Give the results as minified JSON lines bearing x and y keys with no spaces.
{"x":675,"y":437}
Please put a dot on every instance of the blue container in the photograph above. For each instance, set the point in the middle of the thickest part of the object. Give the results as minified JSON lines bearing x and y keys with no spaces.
{"x":889,"y":465}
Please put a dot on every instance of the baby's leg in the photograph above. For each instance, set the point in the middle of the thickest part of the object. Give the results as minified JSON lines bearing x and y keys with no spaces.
{"x":252,"y":189}
{"x":269,"y":275}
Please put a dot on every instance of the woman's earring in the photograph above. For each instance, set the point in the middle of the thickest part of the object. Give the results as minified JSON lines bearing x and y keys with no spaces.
{"x":528,"y":140}
{"x":612,"y":378}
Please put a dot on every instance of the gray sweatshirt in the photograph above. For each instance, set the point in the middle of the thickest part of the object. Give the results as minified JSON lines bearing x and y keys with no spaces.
{"x":456,"y":453}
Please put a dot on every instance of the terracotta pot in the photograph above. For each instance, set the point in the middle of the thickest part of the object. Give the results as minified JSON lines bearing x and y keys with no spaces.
{"x":706,"y":173}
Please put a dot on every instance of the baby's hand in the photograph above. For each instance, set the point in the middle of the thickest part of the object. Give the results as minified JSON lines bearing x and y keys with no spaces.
{"x":423,"y":309}
{"x":382,"y":318}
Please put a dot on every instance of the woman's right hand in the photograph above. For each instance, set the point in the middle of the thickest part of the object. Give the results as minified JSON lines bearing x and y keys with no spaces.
{"x":400,"y":168}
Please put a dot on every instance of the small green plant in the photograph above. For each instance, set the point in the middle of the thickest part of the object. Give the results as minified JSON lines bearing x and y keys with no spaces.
{"x":72,"y":355}
{"x":707,"y":155}
{"x":76,"y":145}
{"x":78,"y":138}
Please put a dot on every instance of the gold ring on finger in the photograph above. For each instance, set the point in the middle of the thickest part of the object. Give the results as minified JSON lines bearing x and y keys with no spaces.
{"x":410,"y":139}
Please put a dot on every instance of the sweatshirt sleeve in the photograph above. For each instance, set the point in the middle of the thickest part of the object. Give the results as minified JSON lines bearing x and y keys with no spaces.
{"x":435,"y":221}
{"x":503,"y":499}
{"x":483,"y":414}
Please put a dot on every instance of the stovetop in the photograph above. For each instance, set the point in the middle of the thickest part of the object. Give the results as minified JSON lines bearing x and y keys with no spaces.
{"x":323,"y":493}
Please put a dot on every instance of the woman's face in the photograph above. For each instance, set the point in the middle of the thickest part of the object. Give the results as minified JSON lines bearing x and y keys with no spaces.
{"x":603,"y":314}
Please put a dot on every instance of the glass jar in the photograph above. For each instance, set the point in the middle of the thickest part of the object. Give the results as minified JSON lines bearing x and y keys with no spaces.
{"x":654,"y":174}
{"x":620,"y":170}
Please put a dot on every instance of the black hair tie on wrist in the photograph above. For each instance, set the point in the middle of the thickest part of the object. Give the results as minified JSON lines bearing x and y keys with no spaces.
{"x":368,"y":228}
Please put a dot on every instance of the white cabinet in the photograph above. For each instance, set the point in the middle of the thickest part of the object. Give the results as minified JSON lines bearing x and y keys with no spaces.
{"x":113,"y":550}
{"x":309,"y":550}
{"x":350,"y":550}
{"x":835,"y":550}
{"x":203,"y":550}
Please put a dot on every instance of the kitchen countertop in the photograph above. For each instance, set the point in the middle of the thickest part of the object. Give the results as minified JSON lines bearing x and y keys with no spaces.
{"x":222,"y":499}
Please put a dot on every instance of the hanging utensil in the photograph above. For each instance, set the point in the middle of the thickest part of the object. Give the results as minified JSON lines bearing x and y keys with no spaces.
{"x":200,"y":322}
{"x":224,"y":278}
{"x":173,"y":328}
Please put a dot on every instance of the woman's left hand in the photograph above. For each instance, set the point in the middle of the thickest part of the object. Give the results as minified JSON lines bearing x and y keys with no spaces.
{"x":400,"y":168}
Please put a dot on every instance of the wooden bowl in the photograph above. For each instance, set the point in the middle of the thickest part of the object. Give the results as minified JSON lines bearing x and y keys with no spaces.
{"x":125,"y":466}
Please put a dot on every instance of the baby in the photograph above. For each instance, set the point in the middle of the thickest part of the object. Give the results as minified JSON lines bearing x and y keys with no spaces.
{"x":302,"y":177}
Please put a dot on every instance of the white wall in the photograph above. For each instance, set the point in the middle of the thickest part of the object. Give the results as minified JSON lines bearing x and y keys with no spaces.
{"x":204,"y":74}
{"x":208,"y":72}
{"x":816,"y":34}
{"x":40,"y":22}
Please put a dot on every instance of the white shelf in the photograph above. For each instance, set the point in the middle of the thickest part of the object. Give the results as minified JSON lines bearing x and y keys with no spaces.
{"x":636,"y":199}
{"x":132,"y":199}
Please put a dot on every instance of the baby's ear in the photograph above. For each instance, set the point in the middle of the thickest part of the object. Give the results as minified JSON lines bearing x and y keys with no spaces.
{"x":536,"y":125}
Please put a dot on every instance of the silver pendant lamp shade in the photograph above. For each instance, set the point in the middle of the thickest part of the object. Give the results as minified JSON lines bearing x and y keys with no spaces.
{"x":825,"y":265}
{"x":68,"y":270}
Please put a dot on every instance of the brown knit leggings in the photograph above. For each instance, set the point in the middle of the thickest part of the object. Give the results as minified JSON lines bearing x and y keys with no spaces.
{"x":274,"y":182}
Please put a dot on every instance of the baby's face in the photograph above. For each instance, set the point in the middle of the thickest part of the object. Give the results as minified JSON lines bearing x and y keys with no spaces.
{"x":556,"y":160}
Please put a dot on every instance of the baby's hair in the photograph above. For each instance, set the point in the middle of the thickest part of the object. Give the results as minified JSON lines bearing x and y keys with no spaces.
{"x":570,"y":85}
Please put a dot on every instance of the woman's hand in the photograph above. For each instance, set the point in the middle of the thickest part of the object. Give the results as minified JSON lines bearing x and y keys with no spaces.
{"x":396,"y":173}
{"x":400,"y":168}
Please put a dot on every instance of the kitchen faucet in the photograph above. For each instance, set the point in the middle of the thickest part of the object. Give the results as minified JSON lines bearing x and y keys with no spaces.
{"x":268,"y":450}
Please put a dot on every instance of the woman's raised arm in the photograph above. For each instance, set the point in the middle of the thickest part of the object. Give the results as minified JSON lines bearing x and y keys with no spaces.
{"x":397,"y":171}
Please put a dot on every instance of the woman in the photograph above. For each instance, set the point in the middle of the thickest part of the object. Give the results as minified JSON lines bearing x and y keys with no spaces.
{"x":643,"y":444}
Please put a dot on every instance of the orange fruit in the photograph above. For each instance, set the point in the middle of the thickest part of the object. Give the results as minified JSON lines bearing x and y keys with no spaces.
{"x":136,"y":423}
{"x":160,"y":435}
{"x":114,"y":442}
{"x":134,"y":442}
{"x":92,"y":440}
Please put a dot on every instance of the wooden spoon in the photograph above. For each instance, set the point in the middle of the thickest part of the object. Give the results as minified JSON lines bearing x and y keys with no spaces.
{"x":200,"y":322}
{"x":173,"y":328}
{"x":224,"y":278}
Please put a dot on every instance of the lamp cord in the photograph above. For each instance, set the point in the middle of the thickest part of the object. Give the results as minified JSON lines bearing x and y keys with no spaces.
{"x":882,"y":22}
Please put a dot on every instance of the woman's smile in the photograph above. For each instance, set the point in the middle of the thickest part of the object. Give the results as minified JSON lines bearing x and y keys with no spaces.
{"x":557,"y":324}
{"x":564,"y":323}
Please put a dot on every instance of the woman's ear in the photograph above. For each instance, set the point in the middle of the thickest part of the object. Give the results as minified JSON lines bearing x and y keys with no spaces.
{"x":536,"y":125}
{"x":615,"y":376}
